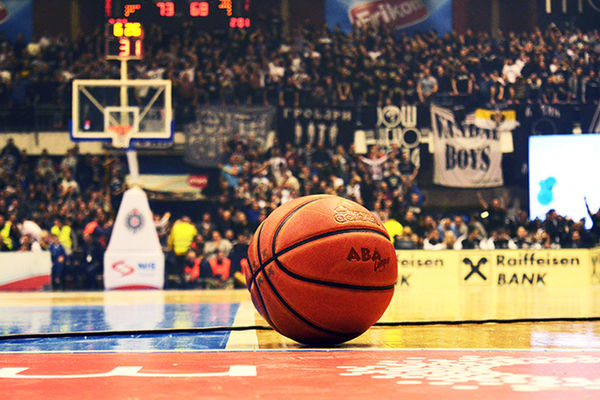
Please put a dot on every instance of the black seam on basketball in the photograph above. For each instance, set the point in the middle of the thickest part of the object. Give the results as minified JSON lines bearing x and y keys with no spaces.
{"x":324,"y":235}
{"x":317,"y":237}
{"x":284,"y":221}
{"x":260,"y":297}
{"x":320,"y":282}
{"x":261,"y":265}
{"x":303,"y":319}
{"x":331,"y":284}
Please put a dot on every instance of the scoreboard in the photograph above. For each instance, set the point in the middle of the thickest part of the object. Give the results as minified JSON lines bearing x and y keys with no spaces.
{"x":129,"y":19}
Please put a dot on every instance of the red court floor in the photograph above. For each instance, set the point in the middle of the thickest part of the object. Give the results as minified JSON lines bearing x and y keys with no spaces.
{"x":213,"y":345}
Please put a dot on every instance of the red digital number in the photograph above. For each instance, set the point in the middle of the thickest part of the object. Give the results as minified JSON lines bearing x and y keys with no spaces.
{"x":137,"y":48}
{"x":124,"y":47}
{"x":167,"y":8}
{"x":199,"y":9}
{"x":108,"y":8}
{"x":239,"y":22}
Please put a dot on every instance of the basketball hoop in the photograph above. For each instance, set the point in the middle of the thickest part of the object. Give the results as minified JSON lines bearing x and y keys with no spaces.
{"x":121,"y":135}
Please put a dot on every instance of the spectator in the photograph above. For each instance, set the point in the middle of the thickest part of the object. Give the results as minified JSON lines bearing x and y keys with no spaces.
{"x":90,"y":263}
{"x":180,"y":239}
{"x":407,"y":169}
{"x":499,"y":239}
{"x":64,"y":233}
{"x":191,"y":270}
{"x":449,"y":240}
{"x":239,"y":258}
{"x":523,"y":239}
{"x":471,"y":241}
{"x":217,"y":272}
{"x":462,"y":85}
{"x":591,"y":88}
{"x":494,"y":214}
{"x":595,"y":229}
{"x":59,"y":261}
{"x":427,"y":87}
{"x":432,"y":241}
{"x":375,"y":161}
{"x":216,"y":244}
{"x":9,"y":235}
{"x":68,"y":186}
{"x":10,"y":155}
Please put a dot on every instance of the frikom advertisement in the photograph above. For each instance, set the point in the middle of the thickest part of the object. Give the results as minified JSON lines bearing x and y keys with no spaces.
{"x":16,"y":19}
{"x":401,"y":15}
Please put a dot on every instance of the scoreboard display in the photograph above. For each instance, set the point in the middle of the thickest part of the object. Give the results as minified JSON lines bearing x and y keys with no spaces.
{"x":205,"y":14}
{"x":128,"y":20}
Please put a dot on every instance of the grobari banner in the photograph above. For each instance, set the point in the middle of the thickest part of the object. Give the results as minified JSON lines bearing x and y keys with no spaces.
{"x":309,"y":125}
{"x":468,"y":153}
{"x":214,"y":126}
{"x":361,"y":126}
{"x":402,"y":15}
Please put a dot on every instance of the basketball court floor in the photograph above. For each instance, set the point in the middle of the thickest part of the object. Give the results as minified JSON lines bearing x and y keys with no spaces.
{"x":473,"y":343}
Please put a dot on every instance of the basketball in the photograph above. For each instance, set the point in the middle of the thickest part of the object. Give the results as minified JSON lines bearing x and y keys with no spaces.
{"x":322,"y":269}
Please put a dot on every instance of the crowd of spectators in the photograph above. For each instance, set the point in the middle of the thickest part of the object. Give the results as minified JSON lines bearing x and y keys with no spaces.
{"x":321,"y":65}
{"x":67,"y":206}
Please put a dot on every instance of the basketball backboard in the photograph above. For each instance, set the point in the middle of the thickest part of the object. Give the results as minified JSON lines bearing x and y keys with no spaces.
{"x":121,"y":111}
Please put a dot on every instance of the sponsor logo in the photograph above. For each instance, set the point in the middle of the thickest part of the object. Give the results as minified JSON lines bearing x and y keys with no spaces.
{"x":343,"y":214}
{"x":198,"y":181}
{"x":134,"y":220}
{"x":421,"y":263}
{"x":535,"y":260}
{"x":3,"y":13}
{"x":475,"y":268}
{"x":149,"y":266}
{"x":396,"y":13}
{"x":122,"y":268}
{"x":366,"y":254}
{"x":596,"y":268}
{"x":404,"y":280}
{"x":521,"y":279}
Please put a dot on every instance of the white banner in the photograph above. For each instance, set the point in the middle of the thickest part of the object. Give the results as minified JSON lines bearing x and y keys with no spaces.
{"x":134,"y":257}
{"x":25,"y":270}
{"x":467,"y":154}
{"x":134,"y":270}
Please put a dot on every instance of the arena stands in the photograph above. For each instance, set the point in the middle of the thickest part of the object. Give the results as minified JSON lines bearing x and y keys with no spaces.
{"x":309,"y":67}
{"x":67,"y":204}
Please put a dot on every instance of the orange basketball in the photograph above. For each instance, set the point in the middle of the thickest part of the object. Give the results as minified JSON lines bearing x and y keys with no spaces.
{"x":322,"y":269}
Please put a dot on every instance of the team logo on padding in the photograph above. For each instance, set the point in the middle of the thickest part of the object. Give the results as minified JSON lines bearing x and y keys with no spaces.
{"x":134,"y":220}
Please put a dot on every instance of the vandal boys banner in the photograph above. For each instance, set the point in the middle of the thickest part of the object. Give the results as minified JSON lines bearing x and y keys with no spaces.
{"x":214,"y":126}
{"x":310,"y":125}
{"x":406,"y":15}
{"x":465,"y":155}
